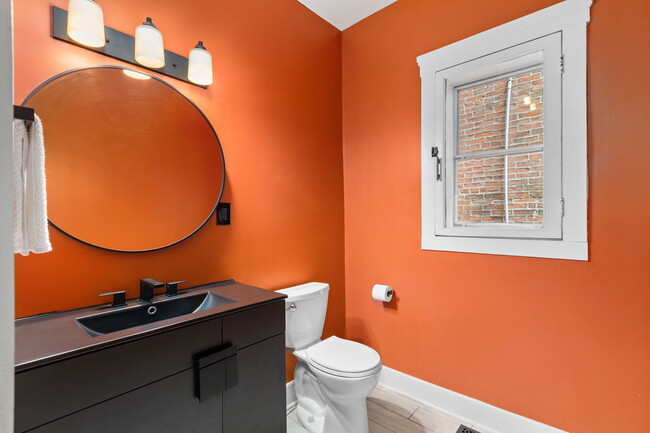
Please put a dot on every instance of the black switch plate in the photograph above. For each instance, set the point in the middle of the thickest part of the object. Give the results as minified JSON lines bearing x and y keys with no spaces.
{"x":223,"y":214}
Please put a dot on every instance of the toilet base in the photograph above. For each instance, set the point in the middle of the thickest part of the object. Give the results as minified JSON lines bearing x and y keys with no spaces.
{"x":311,"y":422}
{"x":322,"y":411}
{"x":311,"y":406}
{"x":354,"y":420}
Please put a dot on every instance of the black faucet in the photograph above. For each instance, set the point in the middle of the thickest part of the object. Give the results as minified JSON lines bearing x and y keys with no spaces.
{"x":147,"y":286}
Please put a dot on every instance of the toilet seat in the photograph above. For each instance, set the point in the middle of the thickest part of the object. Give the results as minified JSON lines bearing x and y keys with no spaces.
{"x":344,"y":358}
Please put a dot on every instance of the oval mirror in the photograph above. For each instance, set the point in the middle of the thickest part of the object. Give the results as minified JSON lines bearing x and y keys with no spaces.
{"x":132,"y":165}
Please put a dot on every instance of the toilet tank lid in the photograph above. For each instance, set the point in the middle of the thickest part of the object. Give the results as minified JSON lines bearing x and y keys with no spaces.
{"x":304,"y":291}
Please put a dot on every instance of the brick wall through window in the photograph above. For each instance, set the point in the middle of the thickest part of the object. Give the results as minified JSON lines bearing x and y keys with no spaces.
{"x":482,"y":187}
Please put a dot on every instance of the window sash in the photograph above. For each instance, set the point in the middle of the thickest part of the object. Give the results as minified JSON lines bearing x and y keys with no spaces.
{"x":545,"y":51}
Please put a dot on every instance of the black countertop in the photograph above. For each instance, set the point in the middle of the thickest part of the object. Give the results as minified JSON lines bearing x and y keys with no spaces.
{"x":52,"y":337}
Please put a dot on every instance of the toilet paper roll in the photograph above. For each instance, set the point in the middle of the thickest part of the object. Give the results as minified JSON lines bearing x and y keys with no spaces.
{"x":382,"y":293}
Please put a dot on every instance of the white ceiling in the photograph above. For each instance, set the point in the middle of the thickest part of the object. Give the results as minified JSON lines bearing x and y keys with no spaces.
{"x":344,"y":13}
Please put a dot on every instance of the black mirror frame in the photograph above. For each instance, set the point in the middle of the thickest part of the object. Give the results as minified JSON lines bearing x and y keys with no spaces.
{"x":223,"y":161}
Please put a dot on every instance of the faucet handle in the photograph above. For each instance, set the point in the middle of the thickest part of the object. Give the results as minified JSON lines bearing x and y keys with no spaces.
{"x":151,"y":283}
{"x":172,"y":288}
{"x":119,"y":298}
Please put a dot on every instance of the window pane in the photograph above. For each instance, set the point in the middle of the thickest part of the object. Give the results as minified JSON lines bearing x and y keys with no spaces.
{"x":487,"y":193}
{"x":526,"y":110}
{"x":482,"y":117}
{"x":480,"y":190}
{"x":484,"y":108}
{"x":526,"y":188}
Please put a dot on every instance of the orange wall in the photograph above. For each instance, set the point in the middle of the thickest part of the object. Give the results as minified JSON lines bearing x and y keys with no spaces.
{"x":562,"y":342}
{"x":276,"y":106}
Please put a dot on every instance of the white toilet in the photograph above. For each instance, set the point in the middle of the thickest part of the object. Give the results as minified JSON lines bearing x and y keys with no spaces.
{"x":333,"y":377}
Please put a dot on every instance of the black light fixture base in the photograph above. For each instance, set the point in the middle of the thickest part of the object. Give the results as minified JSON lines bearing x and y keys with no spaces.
{"x":122,"y":47}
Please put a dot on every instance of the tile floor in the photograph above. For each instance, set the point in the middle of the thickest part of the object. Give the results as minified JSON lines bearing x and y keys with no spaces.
{"x":391,"y":412}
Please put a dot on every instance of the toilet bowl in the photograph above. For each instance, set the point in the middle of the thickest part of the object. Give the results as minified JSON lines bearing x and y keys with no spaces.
{"x":333,"y":377}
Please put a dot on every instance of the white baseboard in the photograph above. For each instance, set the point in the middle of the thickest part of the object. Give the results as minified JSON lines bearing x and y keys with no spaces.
{"x":292,"y":400}
{"x":474,"y":413}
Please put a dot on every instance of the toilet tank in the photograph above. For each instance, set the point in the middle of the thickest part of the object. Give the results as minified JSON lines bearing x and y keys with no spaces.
{"x":305,"y":309}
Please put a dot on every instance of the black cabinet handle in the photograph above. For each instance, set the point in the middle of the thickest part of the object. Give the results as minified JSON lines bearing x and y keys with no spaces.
{"x":231,"y":370}
{"x":216,"y":371}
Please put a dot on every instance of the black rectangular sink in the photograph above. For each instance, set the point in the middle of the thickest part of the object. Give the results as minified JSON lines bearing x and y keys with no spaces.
{"x":106,"y":323}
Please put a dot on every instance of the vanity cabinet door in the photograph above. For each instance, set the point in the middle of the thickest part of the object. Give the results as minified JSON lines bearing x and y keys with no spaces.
{"x":62,"y":388}
{"x":166,"y":406}
{"x":257,"y":404}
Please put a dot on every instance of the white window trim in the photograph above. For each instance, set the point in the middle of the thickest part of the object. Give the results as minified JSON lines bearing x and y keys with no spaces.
{"x":570,"y":18}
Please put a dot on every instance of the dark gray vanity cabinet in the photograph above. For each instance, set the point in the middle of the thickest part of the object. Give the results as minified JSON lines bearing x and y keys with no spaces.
{"x":234,"y":362}
{"x":260,"y":395}
{"x":164,"y":406}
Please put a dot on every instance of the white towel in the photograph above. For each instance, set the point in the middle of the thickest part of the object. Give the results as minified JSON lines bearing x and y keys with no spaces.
{"x":30,"y":200}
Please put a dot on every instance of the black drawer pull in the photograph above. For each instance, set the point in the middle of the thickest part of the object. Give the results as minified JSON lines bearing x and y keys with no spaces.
{"x":216,"y":371}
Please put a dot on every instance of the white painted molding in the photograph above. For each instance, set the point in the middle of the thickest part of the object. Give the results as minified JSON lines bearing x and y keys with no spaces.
{"x":561,"y":16}
{"x":565,"y":250}
{"x":482,"y":416}
{"x":7,"y":313}
{"x":292,"y":400}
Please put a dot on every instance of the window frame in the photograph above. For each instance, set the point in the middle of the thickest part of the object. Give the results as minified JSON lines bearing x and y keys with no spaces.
{"x":503,"y":63}
{"x":568,"y":20}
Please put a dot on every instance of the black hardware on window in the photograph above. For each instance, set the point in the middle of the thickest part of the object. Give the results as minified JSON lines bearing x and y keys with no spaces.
{"x":23,"y":113}
{"x":434,"y":154}
{"x":119,"y":298}
{"x":171,"y":289}
{"x":147,"y":286}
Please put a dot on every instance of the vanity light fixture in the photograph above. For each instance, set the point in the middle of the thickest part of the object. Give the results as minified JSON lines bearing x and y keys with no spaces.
{"x":149,"y":49}
{"x":83,"y":26}
{"x":199,"y":70}
{"x":86,"y":23}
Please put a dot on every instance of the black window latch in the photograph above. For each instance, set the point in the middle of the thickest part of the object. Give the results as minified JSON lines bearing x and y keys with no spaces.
{"x":434,"y":154}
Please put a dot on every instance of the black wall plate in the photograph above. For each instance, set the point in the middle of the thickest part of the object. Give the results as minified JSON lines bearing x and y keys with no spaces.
{"x":223,"y":214}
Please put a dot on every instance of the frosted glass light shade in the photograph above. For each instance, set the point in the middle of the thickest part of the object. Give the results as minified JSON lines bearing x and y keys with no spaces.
{"x":149,"y":49}
{"x":199,"y":70}
{"x":86,"y":23}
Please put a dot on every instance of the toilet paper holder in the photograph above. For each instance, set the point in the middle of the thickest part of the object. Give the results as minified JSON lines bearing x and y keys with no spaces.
{"x":381,"y":292}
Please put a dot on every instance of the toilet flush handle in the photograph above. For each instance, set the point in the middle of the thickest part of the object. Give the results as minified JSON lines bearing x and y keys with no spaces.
{"x":293,"y":307}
